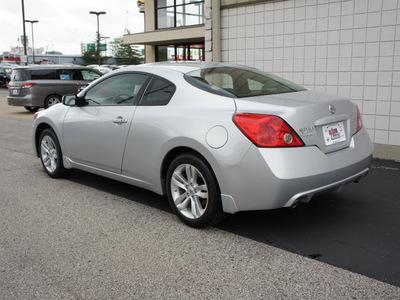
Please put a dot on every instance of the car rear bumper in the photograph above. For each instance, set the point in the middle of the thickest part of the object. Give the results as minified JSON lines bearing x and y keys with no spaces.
{"x":275,"y":178}
{"x":306,"y":196}
{"x":24,"y":101}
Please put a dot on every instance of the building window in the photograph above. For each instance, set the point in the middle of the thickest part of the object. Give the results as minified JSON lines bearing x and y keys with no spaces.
{"x":188,"y":52}
{"x":178,"y":13}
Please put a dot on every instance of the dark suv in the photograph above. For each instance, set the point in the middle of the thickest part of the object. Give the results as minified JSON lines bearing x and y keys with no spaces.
{"x":5,"y":75}
{"x":43,"y":86}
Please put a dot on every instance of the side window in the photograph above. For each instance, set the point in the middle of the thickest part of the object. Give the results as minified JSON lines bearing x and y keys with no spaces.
{"x":42,"y":74}
{"x":159,"y":92}
{"x":68,"y":74}
{"x":89,"y":75}
{"x":116,"y":90}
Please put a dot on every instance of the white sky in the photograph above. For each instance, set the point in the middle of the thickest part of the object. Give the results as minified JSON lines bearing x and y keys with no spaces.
{"x":65,"y":24}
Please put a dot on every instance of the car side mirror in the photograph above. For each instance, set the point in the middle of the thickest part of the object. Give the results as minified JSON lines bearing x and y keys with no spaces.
{"x":73,"y":100}
{"x":80,"y":101}
{"x":69,"y":100}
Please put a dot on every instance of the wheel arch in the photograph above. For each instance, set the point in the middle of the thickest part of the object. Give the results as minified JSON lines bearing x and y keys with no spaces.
{"x":45,"y":104}
{"x":38,"y":132}
{"x":172,"y":154}
{"x":53,"y":94}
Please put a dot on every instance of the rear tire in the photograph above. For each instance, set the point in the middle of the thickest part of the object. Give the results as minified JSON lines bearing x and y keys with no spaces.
{"x":51,"y":155}
{"x":193,"y":191}
{"x":51,"y":100}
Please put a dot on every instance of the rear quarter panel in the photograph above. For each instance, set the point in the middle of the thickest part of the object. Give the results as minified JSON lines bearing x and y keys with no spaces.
{"x":41,"y":90}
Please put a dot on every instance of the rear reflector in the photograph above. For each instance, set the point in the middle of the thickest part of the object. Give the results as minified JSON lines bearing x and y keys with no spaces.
{"x":267,"y":130}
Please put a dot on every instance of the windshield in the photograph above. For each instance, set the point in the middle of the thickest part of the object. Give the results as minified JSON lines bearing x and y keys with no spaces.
{"x":240,"y":83}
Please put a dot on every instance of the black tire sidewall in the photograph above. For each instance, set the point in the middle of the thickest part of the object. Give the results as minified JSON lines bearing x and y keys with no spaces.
{"x":31,"y":109}
{"x":214,"y":206}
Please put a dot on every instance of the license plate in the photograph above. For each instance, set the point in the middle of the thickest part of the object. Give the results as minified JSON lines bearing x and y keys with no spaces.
{"x":14,"y":92}
{"x":334,"y":133}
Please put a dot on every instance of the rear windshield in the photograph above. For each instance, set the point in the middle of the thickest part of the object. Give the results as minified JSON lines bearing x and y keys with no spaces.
{"x":240,"y":83}
{"x":20,"y":75}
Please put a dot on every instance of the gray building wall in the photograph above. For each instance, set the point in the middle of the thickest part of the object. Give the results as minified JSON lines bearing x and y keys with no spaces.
{"x":349,"y":48}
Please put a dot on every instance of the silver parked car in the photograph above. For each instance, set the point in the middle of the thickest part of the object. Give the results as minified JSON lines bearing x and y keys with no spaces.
{"x":43,"y":86}
{"x":215,"y":138}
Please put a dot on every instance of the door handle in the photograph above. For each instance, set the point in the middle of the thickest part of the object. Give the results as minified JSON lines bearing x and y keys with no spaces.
{"x":120,"y":120}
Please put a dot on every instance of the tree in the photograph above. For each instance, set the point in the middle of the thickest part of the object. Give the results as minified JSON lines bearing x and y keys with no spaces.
{"x":127,"y":54}
{"x":90,"y":56}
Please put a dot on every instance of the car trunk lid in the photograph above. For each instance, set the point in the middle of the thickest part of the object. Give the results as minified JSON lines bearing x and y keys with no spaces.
{"x":321,"y":120}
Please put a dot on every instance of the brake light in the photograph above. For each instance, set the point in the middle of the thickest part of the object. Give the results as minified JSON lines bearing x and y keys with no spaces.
{"x":27,"y":85}
{"x":267,"y":130}
{"x":359,"y":120}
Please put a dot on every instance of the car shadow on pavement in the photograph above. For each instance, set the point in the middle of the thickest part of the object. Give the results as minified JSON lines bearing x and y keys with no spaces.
{"x":357,"y":229}
{"x":121,"y":189}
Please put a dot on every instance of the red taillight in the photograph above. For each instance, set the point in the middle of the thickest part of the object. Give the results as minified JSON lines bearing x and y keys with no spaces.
{"x":267,"y":130}
{"x":359,"y":120}
{"x":27,"y":85}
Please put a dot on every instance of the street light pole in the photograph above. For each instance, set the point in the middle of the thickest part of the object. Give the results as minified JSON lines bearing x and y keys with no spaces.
{"x":97,"y":13}
{"x":33,"y":42}
{"x":23,"y":25}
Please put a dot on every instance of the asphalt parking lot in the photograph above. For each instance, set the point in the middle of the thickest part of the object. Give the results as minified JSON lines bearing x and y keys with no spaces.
{"x":88,"y":237}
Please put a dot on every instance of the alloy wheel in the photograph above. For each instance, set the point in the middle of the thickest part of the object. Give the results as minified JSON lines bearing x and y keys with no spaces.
{"x":49,"y":154}
{"x":189,"y":191}
{"x":53,"y":100}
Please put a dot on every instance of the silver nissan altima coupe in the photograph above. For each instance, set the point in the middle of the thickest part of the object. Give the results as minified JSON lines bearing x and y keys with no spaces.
{"x":215,"y":138}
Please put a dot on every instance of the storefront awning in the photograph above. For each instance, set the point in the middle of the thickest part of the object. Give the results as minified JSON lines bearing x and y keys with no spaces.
{"x":168,"y":36}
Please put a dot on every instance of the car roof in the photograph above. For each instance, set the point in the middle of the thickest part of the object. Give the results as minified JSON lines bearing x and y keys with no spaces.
{"x":40,"y":67}
{"x":182,"y":67}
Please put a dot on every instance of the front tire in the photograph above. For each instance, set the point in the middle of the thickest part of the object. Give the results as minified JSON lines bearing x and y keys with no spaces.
{"x":51,"y":155}
{"x":193,"y":191}
{"x":32,"y":109}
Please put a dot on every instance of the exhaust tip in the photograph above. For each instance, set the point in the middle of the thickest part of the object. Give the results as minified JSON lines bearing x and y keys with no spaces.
{"x":295,"y":203}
